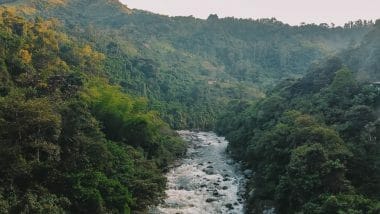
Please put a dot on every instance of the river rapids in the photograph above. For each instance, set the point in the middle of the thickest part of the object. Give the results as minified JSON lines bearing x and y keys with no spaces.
{"x":206,"y":181}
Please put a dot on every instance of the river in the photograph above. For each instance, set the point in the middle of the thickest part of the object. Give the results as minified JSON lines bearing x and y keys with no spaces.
{"x":206,"y":181}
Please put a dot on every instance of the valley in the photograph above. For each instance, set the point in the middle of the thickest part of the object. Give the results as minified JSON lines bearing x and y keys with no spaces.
{"x":93,"y":93}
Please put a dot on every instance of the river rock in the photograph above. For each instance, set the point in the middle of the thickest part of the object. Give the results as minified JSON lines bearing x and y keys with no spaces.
{"x":269,"y":211}
{"x":209,"y":171}
{"x":209,"y":200}
{"x":213,"y":178}
{"x":248,"y":173}
{"x":229,"y":206}
{"x":230,"y":162}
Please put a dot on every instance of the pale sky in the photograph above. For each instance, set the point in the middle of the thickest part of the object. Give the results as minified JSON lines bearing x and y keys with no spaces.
{"x":289,"y":11}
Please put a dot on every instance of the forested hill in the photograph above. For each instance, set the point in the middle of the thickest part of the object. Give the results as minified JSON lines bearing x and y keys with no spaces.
{"x":90,"y":89}
{"x":314,"y":142}
{"x":251,"y":50}
{"x":364,"y":58}
{"x":190,"y":68}
{"x":70,"y":142}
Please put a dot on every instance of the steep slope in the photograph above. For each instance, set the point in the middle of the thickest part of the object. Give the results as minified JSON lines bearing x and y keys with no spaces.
{"x":69,"y":141}
{"x":190,"y":68}
{"x":244,"y":49}
{"x":313,"y":143}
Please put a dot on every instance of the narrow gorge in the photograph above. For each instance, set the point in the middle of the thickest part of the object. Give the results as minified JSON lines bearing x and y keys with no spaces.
{"x":207,"y":180}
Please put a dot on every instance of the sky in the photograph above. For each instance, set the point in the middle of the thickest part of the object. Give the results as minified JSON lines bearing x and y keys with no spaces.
{"x":289,"y":11}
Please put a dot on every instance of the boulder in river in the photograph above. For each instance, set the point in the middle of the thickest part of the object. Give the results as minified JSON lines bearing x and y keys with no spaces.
{"x":214,"y":185}
{"x":248,"y":173}
{"x":209,"y":200}
{"x":230,"y":206}
{"x":209,"y":171}
{"x":269,"y":211}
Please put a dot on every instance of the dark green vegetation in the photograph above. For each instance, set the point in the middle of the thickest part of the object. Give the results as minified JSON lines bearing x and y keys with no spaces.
{"x":83,"y":88}
{"x":314,"y":142}
{"x":69,"y":141}
{"x":190,"y":68}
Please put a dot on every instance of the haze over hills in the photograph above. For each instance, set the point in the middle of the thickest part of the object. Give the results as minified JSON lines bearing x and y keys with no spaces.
{"x":91,"y":90}
{"x":293,"y":12}
{"x":218,"y":59}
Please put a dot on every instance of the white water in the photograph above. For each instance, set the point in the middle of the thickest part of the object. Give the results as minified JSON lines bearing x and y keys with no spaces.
{"x":207,"y":181}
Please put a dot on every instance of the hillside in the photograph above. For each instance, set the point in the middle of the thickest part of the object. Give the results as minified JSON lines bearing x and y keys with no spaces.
{"x":313,"y":143}
{"x":90,"y":92}
{"x":364,"y":58}
{"x":69,"y":140}
{"x":190,"y":68}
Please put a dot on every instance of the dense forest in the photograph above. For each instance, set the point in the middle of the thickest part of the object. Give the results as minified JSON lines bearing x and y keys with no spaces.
{"x":69,"y":140}
{"x":313,"y":143}
{"x":190,"y":68}
{"x":90,"y":92}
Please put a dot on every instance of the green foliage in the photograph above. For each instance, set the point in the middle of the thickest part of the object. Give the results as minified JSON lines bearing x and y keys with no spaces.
{"x":311,"y":144}
{"x":309,"y":173}
{"x":341,"y":204}
{"x":188,"y":68}
{"x":126,"y":119}
{"x":41,"y":201}
{"x":70,"y":142}
{"x":93,"y":191}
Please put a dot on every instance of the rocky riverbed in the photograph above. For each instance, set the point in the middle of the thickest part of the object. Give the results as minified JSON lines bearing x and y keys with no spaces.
{"x":206,"y":180}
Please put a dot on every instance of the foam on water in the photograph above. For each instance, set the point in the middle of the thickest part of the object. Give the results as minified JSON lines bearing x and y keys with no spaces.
{"x":207,"y":181}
